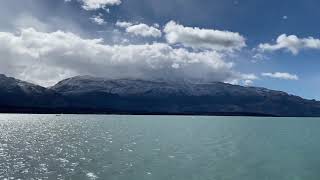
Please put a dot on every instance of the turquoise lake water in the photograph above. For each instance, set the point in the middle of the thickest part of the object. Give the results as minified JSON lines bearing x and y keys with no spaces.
{"x":158,"y":148}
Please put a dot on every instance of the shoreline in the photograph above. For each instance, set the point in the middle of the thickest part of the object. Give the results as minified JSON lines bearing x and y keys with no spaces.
{"x":80,"y":111}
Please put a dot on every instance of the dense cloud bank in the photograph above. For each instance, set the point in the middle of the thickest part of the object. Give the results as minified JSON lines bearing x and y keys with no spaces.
{"x":45,"y":58}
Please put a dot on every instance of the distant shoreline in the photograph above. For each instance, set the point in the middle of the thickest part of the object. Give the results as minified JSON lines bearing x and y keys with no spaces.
{"x":10,"y":110}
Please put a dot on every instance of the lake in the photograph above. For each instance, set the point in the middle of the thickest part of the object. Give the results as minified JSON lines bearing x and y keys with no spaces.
{"x":158,"y":147}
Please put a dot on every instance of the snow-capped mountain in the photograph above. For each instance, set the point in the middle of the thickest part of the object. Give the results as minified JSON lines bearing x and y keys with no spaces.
{"x":85,"y":94}
{"x":17,"y":93}
{"x":181,"y":97}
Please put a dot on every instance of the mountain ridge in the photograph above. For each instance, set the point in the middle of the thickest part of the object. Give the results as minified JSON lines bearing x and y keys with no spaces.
{"x":87,"y":94}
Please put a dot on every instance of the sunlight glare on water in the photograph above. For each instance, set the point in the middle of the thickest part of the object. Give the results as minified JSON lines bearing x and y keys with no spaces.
{"x":158,"y":147}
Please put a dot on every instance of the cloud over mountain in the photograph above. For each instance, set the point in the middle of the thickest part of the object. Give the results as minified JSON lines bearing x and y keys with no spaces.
{"x":197,"y":38}
{"x":45,"y":58}
{"x":281,"y":75}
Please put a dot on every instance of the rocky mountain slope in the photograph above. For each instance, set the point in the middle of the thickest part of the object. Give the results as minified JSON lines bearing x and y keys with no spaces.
{"x":85,"y":94}
{"x":182,"y":97}
{"x":17,"y":93}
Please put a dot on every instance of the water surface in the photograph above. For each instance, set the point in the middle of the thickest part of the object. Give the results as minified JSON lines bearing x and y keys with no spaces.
{"x":158,"y":148}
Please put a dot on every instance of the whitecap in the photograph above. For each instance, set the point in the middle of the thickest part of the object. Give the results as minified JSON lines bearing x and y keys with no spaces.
{"x":92,"y":176}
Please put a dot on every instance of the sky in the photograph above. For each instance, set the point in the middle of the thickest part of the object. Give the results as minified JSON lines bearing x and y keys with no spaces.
{"x":271,"y":44}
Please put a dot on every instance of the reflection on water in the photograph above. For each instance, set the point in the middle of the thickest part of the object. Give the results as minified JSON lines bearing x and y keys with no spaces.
{"x":158,"y":148}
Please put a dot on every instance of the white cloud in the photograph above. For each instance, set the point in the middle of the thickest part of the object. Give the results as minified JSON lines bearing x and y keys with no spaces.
{"x":45,"y":58}
{"x":248,"y":82}
{"x":98,"y":19}
{"x":123,"y":24}
{"x":140,"y":29}
{"x":249,"y":76}
{"x":281,"y":75}
{"x":144,"y":30}
{"x":243,"y":79}
{"x":98,"y":4}
{"x":291,"y":43}
{"x":203,"y":38}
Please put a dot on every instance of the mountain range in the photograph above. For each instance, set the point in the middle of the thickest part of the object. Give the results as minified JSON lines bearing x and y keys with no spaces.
{"x":86,"y":94}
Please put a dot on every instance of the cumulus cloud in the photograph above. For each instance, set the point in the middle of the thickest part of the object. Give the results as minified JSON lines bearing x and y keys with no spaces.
{"x":46,"y":58}
{"x":281,"y":75}
{"x":98,"y":19}
{"x":98,"y":4}
{"x":143,"y":30}
{"x":291,"y":43}
{"x":197,"y":38}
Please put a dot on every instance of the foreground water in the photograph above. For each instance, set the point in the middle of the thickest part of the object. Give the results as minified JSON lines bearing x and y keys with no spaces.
{"x":158,"y":148}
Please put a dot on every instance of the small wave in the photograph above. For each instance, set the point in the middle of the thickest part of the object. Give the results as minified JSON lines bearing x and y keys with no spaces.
{"x":92,"y":176}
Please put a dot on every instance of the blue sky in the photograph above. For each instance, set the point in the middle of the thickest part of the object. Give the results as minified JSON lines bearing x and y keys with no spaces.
{"x":235,"y":41}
